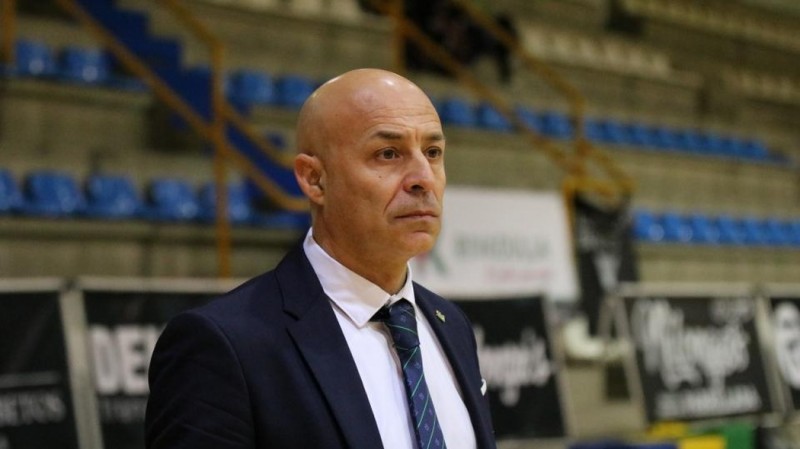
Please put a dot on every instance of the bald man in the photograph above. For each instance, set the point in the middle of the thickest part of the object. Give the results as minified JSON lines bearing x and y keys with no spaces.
{"x":304,"y":356}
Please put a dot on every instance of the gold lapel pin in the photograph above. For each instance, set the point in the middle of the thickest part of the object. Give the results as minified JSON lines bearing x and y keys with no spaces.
{"x":440,"y":315}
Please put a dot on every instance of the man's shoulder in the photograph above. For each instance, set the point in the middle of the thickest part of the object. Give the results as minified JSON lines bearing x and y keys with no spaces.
{"x":260,"y":292}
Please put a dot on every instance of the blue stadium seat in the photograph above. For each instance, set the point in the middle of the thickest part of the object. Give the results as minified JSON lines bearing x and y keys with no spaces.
{"x":646,"y":227}
{"x":293,"y":90}
{"x":491,"y":118}
{"x":457,"y":112}
{"x":614,"y":131}
{"x":755,"y":149}
{"x":594,"y":131}
{"x":284,"y":220}
{"x":33,"y":58}
{"x":777,"y":233}
{"x":251,"y":87}
{"x":704,"y":229}
{"x":694,"y":141}
{"x":791,"y":229}
{"x":638,"y":134}
{"x":530,"y":118}
{"x":730,"y":231}
{"x":84,"y":65}
{"x":239,"y":208}
{"x":556,"y":124}
{"x":112,"y":197}
{"x":52,"y":194}
{"x":10,"y":195}
{"x":171,"y":199}
{"x":754,"y":232}
{"x":664,"y":138}
{"x":676,"y":228}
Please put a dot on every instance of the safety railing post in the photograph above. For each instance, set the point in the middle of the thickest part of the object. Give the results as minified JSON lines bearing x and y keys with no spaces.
{"x":8,"y":23}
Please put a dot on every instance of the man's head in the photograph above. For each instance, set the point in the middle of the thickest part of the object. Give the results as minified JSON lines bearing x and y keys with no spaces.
{"x":371,"y":161}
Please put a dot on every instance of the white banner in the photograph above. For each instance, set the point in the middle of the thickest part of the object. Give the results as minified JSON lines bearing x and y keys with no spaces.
{"x":497,"y":243}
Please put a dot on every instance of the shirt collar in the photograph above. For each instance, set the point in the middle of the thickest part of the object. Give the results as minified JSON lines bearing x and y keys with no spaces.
{"x":354,"y":295}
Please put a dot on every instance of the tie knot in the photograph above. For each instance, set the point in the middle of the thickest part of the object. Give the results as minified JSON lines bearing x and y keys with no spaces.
{"x":402,"y":324}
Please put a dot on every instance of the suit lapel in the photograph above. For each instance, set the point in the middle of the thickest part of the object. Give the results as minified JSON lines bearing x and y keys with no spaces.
{"x":319,"y":338}
{"x":458,"y":355}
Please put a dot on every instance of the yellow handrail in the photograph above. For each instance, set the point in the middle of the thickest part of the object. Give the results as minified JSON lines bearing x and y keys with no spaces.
{"x":443,"y":57}
{"x":8,"y":24}
{"x":217,"y":132}
{"x":222,"y":112}
{"x":583,"y":148}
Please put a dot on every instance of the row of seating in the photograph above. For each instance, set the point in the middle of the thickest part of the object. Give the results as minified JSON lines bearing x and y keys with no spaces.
{"x":94,"y":66}
{"x":702,"y":229}
{"x":721,"y":20}
{"x":608,"y":131}
{"x":246,"y":88}
{"x":56,"y":194}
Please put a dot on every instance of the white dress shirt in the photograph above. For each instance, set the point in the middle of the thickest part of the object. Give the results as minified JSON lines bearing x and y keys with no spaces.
{"x":355,"y":300}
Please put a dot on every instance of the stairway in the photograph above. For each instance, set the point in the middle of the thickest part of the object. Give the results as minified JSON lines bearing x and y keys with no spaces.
{"x":193,"y":85}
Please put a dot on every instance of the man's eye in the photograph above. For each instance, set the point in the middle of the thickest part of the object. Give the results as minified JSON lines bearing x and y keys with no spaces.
{"x":434,"y":153}
{"x":388,"y":153}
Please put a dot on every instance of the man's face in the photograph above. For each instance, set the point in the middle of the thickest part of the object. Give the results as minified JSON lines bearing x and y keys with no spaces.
{"x":384,"y":176}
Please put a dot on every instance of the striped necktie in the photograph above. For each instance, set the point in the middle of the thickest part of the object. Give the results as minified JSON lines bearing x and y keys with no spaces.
{"x":402,"y":324}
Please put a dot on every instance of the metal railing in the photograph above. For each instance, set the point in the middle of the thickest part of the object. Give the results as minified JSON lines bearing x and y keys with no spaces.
{"x":223,"y":114}
{"x":7,"y":30}
{"x":574,"y":165}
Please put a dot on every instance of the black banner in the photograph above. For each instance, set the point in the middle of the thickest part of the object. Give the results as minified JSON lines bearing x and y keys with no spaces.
{"x":36,"y":404}
{"x":605,"y":256}
{"x":697,"y":357}
{"x":786,"y":337}
{"x":516,"y":356}
{"x":123,"y":329}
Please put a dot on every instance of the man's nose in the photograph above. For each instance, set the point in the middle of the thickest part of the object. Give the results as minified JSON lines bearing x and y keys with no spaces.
{"x":420,"y":176}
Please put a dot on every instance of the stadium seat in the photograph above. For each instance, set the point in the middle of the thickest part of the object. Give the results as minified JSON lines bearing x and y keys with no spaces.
{"x":239,"y":208}
{"x":594,"y":131}
{"x":52,"y":194}
{"x":293,"y":90}
{"x":704,"y":229}
{"x":754,"y":232}
{"x":663,"y":138}
{"x":791,"y":230}
{"x":112,"y":197}
{"x":676,"y":228}
{"x":491,"y":118}
{"x":646,"y":227}
{"x":457,"y":112}
{"x":251,"y":87}
{"x":83,"y":65}
{"x":730,"y":231}
{"x":284,"y":220}
{"x":10,"y":194}
{"x":638,"y":135}
{"x":614,"y":131}
{"x":171,"y":199}
{"x":777,"y":233}
{"x":33,"y":58}
{"x":530,"y":118}
{"x":556,"y":124}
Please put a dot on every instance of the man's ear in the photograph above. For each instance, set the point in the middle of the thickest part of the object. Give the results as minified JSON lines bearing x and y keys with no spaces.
{"x":310,"y":175}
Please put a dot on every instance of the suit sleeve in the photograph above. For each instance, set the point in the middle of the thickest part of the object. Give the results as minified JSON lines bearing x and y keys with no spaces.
{"x":198,"y":395}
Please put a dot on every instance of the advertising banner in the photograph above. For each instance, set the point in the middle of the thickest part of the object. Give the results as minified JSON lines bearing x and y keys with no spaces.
{"x":500,"y":243}
{"x":36,"y":400}
{"x":697,"y":356}
{"x":785,"y":325}
{"x":124,"y":321}
{"x":518,"y":364}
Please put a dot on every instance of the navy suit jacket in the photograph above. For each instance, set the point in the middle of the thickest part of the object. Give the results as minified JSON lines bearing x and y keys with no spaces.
{"x":267,"y":366}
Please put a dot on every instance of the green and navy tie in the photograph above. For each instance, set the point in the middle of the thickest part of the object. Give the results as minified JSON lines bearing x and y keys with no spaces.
{"x":402,"y":324}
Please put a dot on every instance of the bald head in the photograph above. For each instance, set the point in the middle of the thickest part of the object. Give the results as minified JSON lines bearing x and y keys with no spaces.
{"x":325,"y":117}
